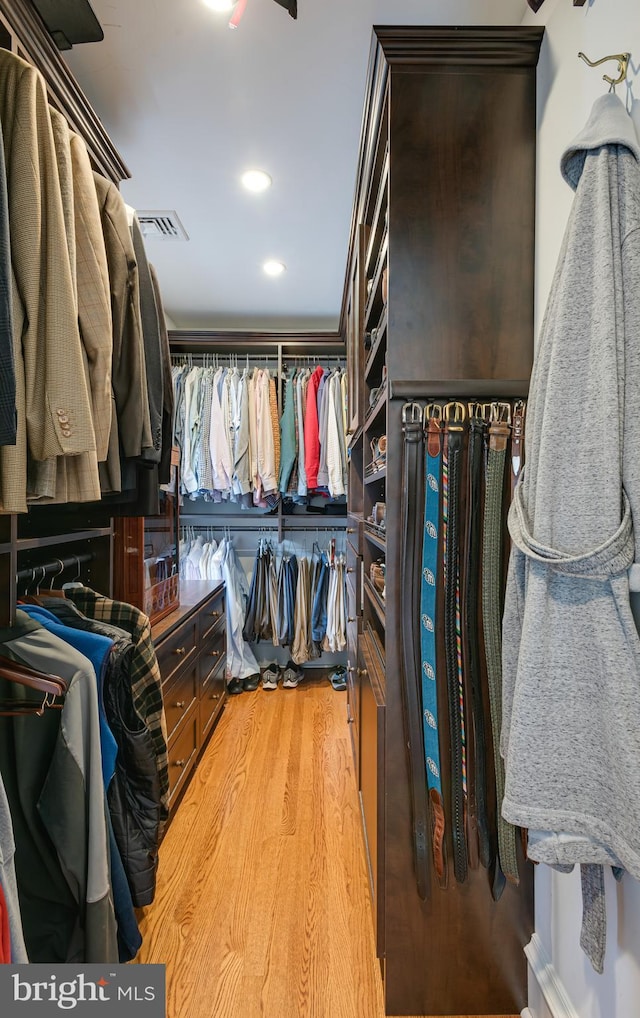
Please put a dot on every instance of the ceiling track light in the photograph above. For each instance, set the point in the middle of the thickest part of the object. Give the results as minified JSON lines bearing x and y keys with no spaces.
{"x":256,"y":181}
{"x":272,"y":267}
{"x":238,"y":8}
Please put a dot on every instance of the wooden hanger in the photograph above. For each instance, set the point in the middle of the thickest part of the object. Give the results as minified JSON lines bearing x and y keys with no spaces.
{"x":51,"y":686}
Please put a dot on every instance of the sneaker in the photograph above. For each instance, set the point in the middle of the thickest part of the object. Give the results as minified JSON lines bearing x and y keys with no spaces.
{"x":338,"y":678}
{"x":251,"y":682}
{"x":234,"y":687}
{"x":270,"y":677}
{"x":291,"y":676}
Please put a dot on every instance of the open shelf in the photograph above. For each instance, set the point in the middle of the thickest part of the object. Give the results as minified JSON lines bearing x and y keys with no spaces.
{"x":378,"y":475}
{"x":28,"y":543}
{"x":374,"y":298}
{"x":380,"y":542}
{"x":379,"y":406}
{"x":378,"y":221}
{"x":376,"y":354}
{"x":375,"y":599}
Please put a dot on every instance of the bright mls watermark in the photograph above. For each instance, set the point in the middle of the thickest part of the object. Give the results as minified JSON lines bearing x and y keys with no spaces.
{"x":90,"y":991}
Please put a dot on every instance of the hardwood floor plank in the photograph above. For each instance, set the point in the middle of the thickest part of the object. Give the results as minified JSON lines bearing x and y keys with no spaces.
{"x":262,"y":907}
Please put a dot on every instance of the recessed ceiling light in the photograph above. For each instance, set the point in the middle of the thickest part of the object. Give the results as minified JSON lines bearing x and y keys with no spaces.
{"x":220,"y":5}
{"x":274,"y":268}
{"x":256,"y":180}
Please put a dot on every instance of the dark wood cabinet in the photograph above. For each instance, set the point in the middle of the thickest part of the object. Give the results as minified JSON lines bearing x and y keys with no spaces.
{"x":191,"y":650}
{"x":443,"y":232}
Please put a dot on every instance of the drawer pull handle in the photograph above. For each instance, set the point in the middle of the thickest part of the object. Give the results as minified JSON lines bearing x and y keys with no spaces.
{"x":351,"y":530}
{"x":361,"y":671}
{"x":216,"y":614}
{"x":350,"y":569}
{"x":215,"y":696}
{"x":350,"y":619}
{"x":181,"y":651}
{"x":216,"y":653}
{"x":180,"y":704}
{"x":350,"y":721}
{"x":180,"y":763}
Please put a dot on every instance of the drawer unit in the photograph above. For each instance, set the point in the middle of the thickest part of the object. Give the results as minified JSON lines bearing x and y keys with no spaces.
{"x":212,"y":696}
{"x":211,"y":618}
{"x":183,"y":750}
{"x":178,"y":649}
{"x":179,"y":696}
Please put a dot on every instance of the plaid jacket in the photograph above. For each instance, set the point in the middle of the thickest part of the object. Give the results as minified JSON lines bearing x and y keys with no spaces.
{"x":146,"y":684}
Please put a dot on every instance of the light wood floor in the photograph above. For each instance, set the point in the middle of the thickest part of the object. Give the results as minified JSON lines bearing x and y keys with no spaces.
{"x":262,"y":908}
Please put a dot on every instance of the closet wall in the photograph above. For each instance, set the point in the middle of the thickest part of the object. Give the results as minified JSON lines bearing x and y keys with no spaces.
{"x":567,"y":89}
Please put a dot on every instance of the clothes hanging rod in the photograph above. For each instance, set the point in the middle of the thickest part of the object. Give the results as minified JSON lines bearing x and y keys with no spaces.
{"x":56,"y":567}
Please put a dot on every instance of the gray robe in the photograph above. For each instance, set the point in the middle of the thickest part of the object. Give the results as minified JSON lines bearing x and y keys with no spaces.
{"x":571,"y":651}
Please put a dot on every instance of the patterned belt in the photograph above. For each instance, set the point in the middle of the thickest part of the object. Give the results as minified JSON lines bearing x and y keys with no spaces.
{"x":428,"y":620}
{"x":410,"y":608}
{"x":499,"y":430}
{"x":452,"y":467}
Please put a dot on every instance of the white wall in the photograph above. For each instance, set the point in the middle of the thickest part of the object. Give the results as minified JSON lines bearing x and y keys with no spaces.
{"x":566,"y":91}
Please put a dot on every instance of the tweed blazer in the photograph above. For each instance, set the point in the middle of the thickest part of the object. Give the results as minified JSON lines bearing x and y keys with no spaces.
{"x":62,"y":478}
{"x":128,"y":369}
{"x":52,"y":398}
{"x":7,"y":369}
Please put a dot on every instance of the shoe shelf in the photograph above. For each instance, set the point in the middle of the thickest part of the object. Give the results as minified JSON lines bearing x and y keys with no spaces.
{"x":375,"y":599}
{"x":375,"y":538}
{"x":379,"y":406}
{"x":375,"y":356}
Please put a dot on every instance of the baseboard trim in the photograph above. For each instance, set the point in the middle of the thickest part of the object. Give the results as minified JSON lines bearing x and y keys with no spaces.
{"x":527,"y":1013}
{"x":548,"y":980}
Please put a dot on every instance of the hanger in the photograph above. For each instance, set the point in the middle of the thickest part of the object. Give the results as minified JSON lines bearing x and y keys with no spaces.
{"x":57,"y":593}
{"x":51,"y":686}
{"x":623,"y":65}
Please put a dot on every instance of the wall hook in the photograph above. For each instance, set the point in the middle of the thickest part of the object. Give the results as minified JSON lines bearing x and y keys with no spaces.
{"x":623,"y":64}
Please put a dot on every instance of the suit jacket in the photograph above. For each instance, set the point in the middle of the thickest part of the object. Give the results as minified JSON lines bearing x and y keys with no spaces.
{"x":164,"y":467}
{"x":128,"y":370}
{"x":152,"y":343}
{"x":67,"y":478}
{"x":7,"y":368}
{"x":52,"y":399}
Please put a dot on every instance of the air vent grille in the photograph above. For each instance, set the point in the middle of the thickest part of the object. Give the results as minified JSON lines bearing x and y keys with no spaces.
{"x":163,"y":225}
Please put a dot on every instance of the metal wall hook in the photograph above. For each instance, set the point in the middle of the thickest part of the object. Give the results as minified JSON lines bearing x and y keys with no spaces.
{"x":623,"y":65}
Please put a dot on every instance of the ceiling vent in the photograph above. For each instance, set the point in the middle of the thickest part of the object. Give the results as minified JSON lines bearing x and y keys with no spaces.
{"x":161,"y":225}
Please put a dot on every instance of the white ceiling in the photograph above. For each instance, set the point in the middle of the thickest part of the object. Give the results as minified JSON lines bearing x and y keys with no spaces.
{"x":190,"y":104}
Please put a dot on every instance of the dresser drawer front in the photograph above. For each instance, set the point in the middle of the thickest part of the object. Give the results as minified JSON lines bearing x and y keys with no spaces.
{"x":212,"y":697}
{"x":178,"y":650}
{"x":183,"y":750}
{"x":179,"y":697}
{"x":211,"y":618}
{"x":212,"y":656}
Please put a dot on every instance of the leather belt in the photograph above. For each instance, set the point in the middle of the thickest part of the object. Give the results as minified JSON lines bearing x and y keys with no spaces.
{"x":451,"y":471}
{"x":499,"y":429}
{"x":428,"y":628}
{"x":517,"y":442}
{"x":477,"y":429}
{"x":409,"y":612}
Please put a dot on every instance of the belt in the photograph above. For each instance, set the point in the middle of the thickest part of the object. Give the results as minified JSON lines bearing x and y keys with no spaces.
{"x":409,"y":612}
{"x":428,"y":628}
{"x":517,"y":442}
{"x":499,"y":429}
{"x":451,"y":471}
{"x":477,"y":428}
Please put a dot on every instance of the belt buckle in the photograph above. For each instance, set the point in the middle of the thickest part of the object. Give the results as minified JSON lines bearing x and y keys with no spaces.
{"x":412,"y":413}
{"x":454,"y":415}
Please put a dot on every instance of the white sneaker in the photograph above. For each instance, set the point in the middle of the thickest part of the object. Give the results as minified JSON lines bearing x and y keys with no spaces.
{"x":270,"y":677}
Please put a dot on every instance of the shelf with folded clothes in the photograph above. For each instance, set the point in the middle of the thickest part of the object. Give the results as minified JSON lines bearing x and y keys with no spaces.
{"x":377,"y":351}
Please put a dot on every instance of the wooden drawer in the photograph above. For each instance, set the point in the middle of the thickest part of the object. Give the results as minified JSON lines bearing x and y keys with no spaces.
{"x":177,"y":651}
{"x":183,"y":750}
{"x":179,"y":697}
{"x":211,"y":617}
{"x":212,"y":655}
{"x":353,"y":566}
{"x":212,"y":697}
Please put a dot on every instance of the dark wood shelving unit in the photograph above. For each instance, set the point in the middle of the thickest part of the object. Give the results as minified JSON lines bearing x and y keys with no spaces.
{"x":380,"y":542}
{"x":71,"y":537}
{"x":375,"y":599}
{"x":378,"y":347}
{"x":376,"y":411}
{"x":378,"y":475}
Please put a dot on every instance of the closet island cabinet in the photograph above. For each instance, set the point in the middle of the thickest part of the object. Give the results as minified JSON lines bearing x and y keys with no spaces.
{"x":438,"y":305}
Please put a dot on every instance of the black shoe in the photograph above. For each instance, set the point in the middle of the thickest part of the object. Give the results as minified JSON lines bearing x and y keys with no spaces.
{"x":251,"y":682}
{"x":235,"y":686}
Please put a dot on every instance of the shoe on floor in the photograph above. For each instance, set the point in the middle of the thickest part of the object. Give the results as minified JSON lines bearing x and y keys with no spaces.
{"x":270,"y":677}
{"x":291,"y":676}
{"x":251,"y":682}
{"x":234,"y":686}
{"x":338,"y":678}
